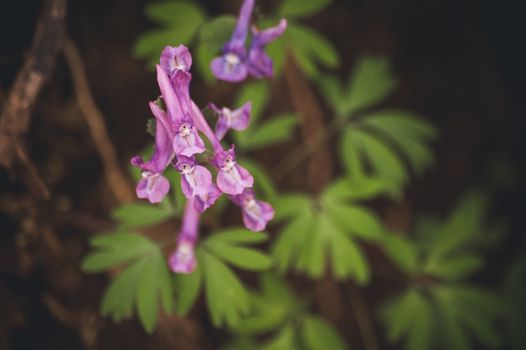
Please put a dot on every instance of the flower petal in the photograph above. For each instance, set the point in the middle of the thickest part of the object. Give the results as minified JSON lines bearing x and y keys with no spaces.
{"x":229,"y":67}
{"x":175,"y":58}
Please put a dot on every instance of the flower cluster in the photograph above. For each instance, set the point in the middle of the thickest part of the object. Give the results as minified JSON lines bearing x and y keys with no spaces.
{"x":180,"y":125}
{"x":236,"y":63}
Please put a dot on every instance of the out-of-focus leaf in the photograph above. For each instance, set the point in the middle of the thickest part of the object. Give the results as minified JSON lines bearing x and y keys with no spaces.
{"x":181,"y":14}
{"x":397,"y":315}
{"x":291,"y":205}
{"x":119,"y":299}
{"x":203,"y":55}
{"x":115,"y":249}
{"x":384,"y":163}
{"x":245,"y":258}
{"x":463,"y":224}
{"x":139,"y":215}
{"x":419,"y":336}
{"x":273,"y":131}
{"x":333,"y":92}
{"x":371,"y":82}
{"x":409,"y":132}
{"x":454,"y":268}
{"x":285,"y":340}
{"x":289,"y":244}
{"x":357,"y":220}
{"x":147,"y":307}
{"x":226,"y":297}
{"x":301,"y":8}
{"x":342,"y":190}
{"x":217,"y":32}
{"x":187,"y":288}
{"x":311,"y":48}
{"x":261,"y":179}
{"x":235,"y":236}
{"x":402,"y":251}
{"x":258,"y":93}
{"x":317,"y":334}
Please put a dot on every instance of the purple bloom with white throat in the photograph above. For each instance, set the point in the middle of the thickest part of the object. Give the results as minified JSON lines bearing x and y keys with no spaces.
{"x":256,"y":213}
{"x":231,"y":65}
{"x":182,"y":259}
{"x":187,"y":141}
{"x":231,"y":177}
{"x":196,"y":180}
{"x":175,"y":58}
{"x":203,"y":202}
{"x":259,"y":63}
{"x":153,"y":185}
{"x":237,"y":119}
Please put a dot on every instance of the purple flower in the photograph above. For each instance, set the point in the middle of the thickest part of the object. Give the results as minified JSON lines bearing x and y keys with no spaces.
{"x":187,"y":141}
{"x":231,"y":65}
{"x":259,"y":63}
{"x":175,"y":58}
{"x":182,"y":259}
{"x":203,"y":202}
{"x":153,"y":185}
{"x":231,"y":178}
{"x":196,"y":180}
{"x":237,"y":119}
{"x":256,"y":213}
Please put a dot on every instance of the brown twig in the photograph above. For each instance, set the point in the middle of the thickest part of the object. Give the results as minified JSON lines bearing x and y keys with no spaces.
{"x":312,"y":125}
{"x":17,"y":110}
{"x":362,"y":316}
{"x":117,"y":181}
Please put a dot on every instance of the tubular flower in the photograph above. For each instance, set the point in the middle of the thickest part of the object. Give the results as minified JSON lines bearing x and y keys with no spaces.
{"x":234,"y":64}
{"x":259,"y":63}
{"x":231,"y":177}
{"x":182,"y":259}
{"x":256,"y":213}
{"x":237,"y":119}
{"x":175,"y":58}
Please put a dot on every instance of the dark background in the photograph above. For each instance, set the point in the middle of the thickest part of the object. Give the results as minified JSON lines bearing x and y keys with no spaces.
{"x":459,"y":63}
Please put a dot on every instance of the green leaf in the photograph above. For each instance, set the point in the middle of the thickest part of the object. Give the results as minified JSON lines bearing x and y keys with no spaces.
{"x":261,"y":178}
{"x":371,"y":82}
{"x":333,"y":92}
{"x":397,"y":315}
{"x":284,"y":340}
{"x":226,"y":297}
{"x":258,"y":93}
{"x":317,"y":334}
{"x":301,"y":8}
{"x":276,"y":130}
{"x":187,"y":288}
{"x":358,"y":220}
{"x":216,"y":32}
{"x":384,"y":163}
{"x":409,"y":132}
{"x":116,"y":249}
{"x":147,"y":306}
{"x":402,"y":251}
{"x":244,"y":258}
{"x":311,"y":48}
{"x":119,"y":298}
{"x":290,"y":241}
{"x":237,"y":236}
{"x":203,"y":55}
{"x":139,"y":215}
{"x":291,"y":205}
{"x":465,"y":221}
{"x":342,"y":190}
{"x":182,"y":14}
{"x":455,"y":268}
{"x":419,"y":336}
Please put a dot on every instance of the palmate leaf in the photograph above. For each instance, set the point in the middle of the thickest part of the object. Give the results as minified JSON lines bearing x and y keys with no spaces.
{"x":317,"y":334}
{"x":402,"y":251}
{"x":310,"y":49}
{"x":227,"y":298}
{"x":179,"y":20}
{"x":314,"y":239}
{"x":144,"y":285}
{"x":140,"y":214}
{"x":279,"y":128}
